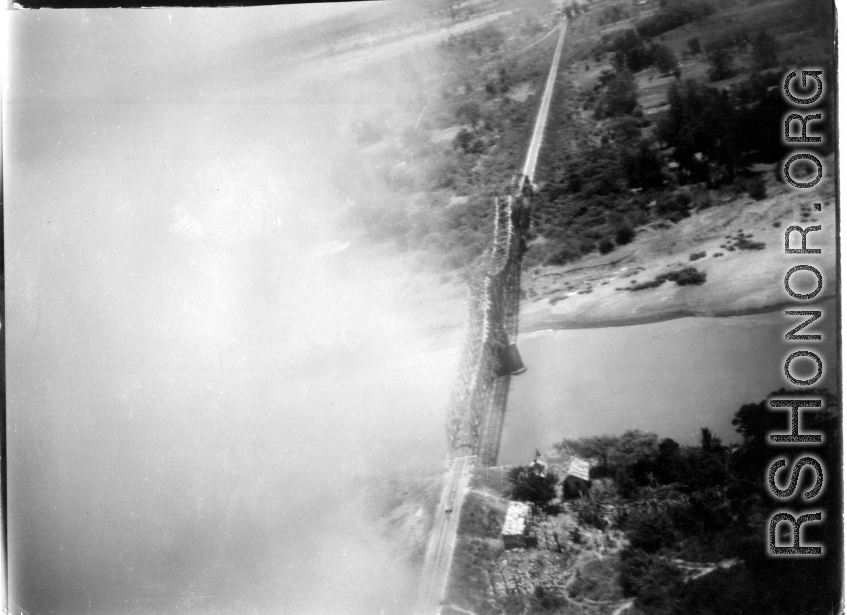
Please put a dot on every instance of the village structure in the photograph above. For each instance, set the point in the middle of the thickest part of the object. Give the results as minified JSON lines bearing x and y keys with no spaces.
{"x":577,"y":482}
{"x":517,"y":529}
{"x":517,"y":526}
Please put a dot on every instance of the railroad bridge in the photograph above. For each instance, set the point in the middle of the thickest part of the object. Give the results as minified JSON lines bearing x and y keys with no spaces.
{"x":489,"y":357}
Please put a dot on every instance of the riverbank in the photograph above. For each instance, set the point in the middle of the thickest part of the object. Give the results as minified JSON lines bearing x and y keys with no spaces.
{"x":737,"y":243}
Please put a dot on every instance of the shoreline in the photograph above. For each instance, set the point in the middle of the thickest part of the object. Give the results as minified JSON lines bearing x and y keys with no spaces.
{"x":646,"y":319}
{"x":594,"y":292}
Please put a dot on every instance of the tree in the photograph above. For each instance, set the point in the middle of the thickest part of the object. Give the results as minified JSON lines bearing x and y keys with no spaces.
{"x":625,"y":129}
{"x":491,"y":36}
{"x":624,"y":235}
{"x":764,"y":51}
{"x":651,"y":532}
{"x":630,"y":52}
{"x":469,"y":112}
{"x":463,"y":139}
{"x":707,"y":439}
{"x":664,"y":58}
{"x":647,"y":577}
{"x":669,"y":464}
{"x":705,"y":128}
{"x":694,"y":45}
{"x":619,"y":97}
{"x":531,"y":485}
{"x":633,"y":446}
{"x":590,"y":511}
{"x":721,"y":65}
{"x":643,"y":167}
{"x":756,"y":421}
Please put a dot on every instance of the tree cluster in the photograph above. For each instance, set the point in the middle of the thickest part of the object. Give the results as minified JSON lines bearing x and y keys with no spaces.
{"x":632,"y":52}
{"x":673,"y":15}
{"x":487,"y":39}
{"x":717,"y":134}
{"x":708,"y":503}
{"x":531,"y":485}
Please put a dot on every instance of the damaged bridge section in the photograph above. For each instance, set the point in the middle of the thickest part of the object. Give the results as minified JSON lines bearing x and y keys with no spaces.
{"x":490,"y":355}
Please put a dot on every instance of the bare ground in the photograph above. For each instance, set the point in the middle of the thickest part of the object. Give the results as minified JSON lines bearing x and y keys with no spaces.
{"x":589,"y":292}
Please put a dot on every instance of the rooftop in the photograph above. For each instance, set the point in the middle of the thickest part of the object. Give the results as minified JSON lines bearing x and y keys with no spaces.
{"x":579,"y":468}
{"x":517,"y":518}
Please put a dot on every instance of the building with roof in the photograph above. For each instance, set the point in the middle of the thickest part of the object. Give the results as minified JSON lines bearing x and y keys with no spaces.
{"x":577,"y":480}
{"x":516,"y":527}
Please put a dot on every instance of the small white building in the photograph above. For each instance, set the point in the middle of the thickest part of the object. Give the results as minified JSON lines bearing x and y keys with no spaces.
{"x":517,"y":525}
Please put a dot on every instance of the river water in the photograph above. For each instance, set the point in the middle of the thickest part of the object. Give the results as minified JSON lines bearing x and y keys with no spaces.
{"x":671,"y":378}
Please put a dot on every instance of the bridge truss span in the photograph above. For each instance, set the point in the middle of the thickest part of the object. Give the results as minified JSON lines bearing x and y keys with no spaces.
{"x":478,"y":398}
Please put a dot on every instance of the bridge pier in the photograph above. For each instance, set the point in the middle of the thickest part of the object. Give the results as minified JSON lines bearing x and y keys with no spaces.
{"x":515,"y":362}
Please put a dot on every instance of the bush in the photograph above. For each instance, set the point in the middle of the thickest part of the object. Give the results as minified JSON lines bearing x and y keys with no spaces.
{"x":630,"y":52}
{"x":606,"y":246}
{"x":673,"y":16}
{"x":685,"y":277}
{"x":675,"y":206}
{"x":645,"y":285}
{"x":722,"y":591}
{"x":643,"y":167}
{"x":589,"y":511}
{"x":612,"y":14}
{"x":721,"y":65}
{"x":696,"y":256}
{"x":694,"y":46}
{"x":547,"y":600}
{"x":742,"y":243}
{"x":479,"y":518}
{"x":619,"y":97}
{"x":651,"y":580}
{"x":624,"y":235}
{"x":756,"y":188}
{"x":664,"y":58}
{"x":764,"y":51}
{"x":650,"y":533}
{"x":598,"y":580}
{"x":529,"y":485}
{"x":469,"y":112}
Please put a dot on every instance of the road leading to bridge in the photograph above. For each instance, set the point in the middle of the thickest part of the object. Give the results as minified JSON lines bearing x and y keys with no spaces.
{"x":442,"y":540}
{"x":544,"y":109}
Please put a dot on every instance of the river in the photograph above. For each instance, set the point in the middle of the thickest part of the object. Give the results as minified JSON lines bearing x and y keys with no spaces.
{"x":671,"y":377}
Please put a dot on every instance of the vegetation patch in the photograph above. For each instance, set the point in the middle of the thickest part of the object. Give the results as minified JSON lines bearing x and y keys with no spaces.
{"x":742,"y":241}
{"x":478,"y":545}
{"x":645,"y":285}
{"x":694,"y":517}
{"x":598,"y":580}
{"x":686,"y":276}
{"x":480,"y":518}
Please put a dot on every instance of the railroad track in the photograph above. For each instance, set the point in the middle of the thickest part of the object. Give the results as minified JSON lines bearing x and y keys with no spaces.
{"x":439,"y":552}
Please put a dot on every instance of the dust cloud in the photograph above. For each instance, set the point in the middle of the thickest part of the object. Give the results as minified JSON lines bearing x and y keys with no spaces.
{"x":206,"y":373}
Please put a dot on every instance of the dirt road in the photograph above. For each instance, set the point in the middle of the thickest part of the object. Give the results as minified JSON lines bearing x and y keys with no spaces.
{"x":442,"y":541}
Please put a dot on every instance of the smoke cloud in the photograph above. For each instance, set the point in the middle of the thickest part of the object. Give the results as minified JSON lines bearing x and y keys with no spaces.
{"x":207,"y":376}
